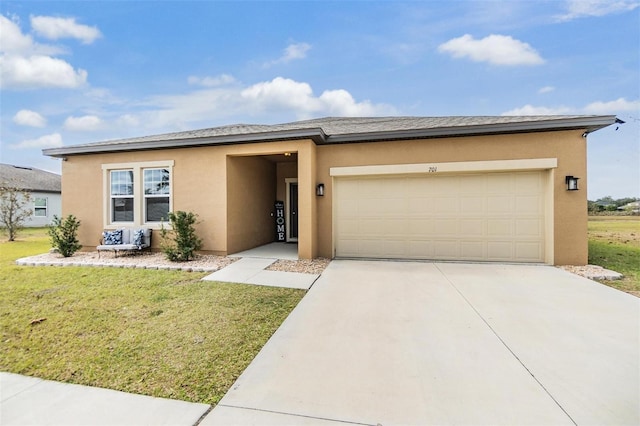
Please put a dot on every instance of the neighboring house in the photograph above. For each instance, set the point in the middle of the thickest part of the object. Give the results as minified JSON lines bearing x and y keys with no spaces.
{"x":44,"y":188}
{"x":444,"y":188}
{"x":632,"y":207}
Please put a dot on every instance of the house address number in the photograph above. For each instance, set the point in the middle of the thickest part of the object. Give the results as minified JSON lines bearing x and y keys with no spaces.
{"x":433,"y":169}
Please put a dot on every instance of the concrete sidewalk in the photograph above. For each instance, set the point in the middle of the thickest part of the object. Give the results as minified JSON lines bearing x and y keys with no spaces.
{"x":250,"y":270}
{"x":31,"y":401}
{"x":410,"y":343}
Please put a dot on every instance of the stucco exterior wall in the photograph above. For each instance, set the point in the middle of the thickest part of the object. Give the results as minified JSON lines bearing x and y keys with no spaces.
{"x":199,"y":185}
{"x":569,"y":147}
{"x":230,"y":187}
{"x":284,"y":171}
{"x":251,"y":191}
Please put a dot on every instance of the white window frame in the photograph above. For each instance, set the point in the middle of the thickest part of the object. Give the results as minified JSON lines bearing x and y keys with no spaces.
{"x":146,"y":196}
{"x":120,"y":196}
{"x":36,"y":208}
{"x":139,"y":204}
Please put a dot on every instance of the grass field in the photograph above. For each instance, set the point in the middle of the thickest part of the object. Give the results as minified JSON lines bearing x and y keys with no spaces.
{"x":160,"y":333}
{"x":614,"y":243}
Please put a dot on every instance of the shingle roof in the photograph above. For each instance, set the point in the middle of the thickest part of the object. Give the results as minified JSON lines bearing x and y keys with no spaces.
{"x":29,"y":178}
{"x":346,"y":130}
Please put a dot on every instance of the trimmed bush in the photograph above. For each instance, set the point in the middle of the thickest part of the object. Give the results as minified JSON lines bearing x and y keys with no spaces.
{"x":64,"y":235}
{"x":181,"y":242}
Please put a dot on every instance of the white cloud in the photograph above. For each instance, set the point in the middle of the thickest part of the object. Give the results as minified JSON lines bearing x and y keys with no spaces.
{"x":612,"y":107}
{"x":275,"y":100}
{"x":594,"y":108}
{"x":11,"y":38}
{"x":220,"y":80}
{"x":56,"y":28}
{"x":584,"y":8}
{"x":280,"y":93}
{"x":546,"y":89}
{"x":292,"y":52}
{"x":286,"y":94}
{"x":39,"y":71}
{"x":85,"y":123}
{"x":539,"y":110}
{"x":47,"y":141}
{"x":495,"y":49}
{"x":26,"y":117}
{"x":25,"y":64}
{"x":295,"y":51}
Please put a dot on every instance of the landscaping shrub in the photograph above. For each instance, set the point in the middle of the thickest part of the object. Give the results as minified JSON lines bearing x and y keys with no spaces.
{"x":181,"y":242}
{"x":64,"y":235}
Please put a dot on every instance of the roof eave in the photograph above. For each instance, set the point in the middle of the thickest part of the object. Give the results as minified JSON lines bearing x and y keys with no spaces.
{"x":586,"y":124}
{"x":317,"y":135}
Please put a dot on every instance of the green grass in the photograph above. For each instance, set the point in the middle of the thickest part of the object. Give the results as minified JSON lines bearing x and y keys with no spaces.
{"x":614,"y":243}
{"x":160,"y":333}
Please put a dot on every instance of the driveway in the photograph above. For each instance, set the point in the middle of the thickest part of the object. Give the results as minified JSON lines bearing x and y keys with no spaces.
{"x":393,"y":343}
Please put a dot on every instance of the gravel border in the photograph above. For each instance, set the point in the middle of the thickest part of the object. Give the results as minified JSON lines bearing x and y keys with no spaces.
{"x":150,"y":260}
{"x":593,"y":272}
{"x":143,"y":260}
{"x":303,"y":266}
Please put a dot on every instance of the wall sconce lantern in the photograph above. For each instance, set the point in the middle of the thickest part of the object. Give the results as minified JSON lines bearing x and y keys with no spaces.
{"x":572,"y":183}
{"x":320,"y":189}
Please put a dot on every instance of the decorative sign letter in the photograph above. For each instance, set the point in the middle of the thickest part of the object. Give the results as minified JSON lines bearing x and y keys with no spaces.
{"x":280,"y":232}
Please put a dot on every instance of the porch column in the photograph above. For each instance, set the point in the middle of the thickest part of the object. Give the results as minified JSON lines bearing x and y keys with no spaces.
{"x":307,"y":219}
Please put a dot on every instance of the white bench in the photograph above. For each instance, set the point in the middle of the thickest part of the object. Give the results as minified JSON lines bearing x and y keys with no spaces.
{"x":124,"y":239}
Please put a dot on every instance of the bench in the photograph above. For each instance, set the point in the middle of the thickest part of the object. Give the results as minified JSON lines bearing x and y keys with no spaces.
{"x":125,"y":240}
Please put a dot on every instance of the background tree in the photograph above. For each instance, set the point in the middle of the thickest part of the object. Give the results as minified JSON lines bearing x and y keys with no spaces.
{"x":15,"y":208}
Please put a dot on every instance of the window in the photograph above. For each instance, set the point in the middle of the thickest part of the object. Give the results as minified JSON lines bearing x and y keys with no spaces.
{"x":156,"y":194}
{"x":137,"y":193}
{"x":122,"y":196}
{"x":40,"y":207}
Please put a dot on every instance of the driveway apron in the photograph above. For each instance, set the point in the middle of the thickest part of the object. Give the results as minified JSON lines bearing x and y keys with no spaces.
{"x":388,"y":343}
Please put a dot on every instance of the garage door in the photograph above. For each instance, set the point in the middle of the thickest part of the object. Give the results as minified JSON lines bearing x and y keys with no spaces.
{"x":475,"y":217}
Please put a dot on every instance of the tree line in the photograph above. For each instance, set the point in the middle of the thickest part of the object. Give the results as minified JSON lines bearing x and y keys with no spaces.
{"x":609,"y":204}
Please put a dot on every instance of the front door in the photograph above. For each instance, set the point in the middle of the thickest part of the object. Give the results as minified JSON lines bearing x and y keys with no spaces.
{"x":292,"y":210}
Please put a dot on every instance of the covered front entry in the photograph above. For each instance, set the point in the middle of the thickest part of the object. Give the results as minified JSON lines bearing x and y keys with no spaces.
{"x":498,"y":216}
{"x":260,"y":188}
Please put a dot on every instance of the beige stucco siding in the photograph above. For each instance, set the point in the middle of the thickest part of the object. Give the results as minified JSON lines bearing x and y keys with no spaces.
{"x":570,"y":240}
{"x":284,"y":171}
{"x":232,"y":189}
{"x":251,"y":183}
{"x":199,"y":184}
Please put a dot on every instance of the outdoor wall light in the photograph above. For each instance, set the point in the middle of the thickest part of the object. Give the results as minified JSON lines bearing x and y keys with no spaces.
{"x":572,"y":183}
{"x":320,"y":189}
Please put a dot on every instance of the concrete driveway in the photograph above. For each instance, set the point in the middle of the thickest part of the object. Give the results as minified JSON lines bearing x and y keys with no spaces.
{"x":445,"y":343}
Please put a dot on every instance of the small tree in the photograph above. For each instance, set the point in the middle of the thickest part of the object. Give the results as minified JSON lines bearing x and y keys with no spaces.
{"x":181,"y":242}
{"x":64,"y":235}
{"x":15,"y":208}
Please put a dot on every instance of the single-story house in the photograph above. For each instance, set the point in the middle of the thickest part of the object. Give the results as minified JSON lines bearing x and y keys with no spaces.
{"x":44,"y":188}
{"x":632,"y":207}
{"x":493,"y":188}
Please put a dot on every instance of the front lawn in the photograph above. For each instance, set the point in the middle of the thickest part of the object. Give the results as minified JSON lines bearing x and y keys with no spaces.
{"x":614,"y":243}
{"x":159,"y":333}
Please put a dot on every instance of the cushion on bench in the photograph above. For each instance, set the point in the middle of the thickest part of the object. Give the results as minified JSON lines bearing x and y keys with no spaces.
{"x":126,"y":239}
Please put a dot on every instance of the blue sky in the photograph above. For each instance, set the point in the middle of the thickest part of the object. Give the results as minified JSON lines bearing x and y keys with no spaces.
{"x":85,"y":71}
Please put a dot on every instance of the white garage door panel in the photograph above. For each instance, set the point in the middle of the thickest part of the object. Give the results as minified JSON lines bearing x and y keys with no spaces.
{"x":489,"y":216}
